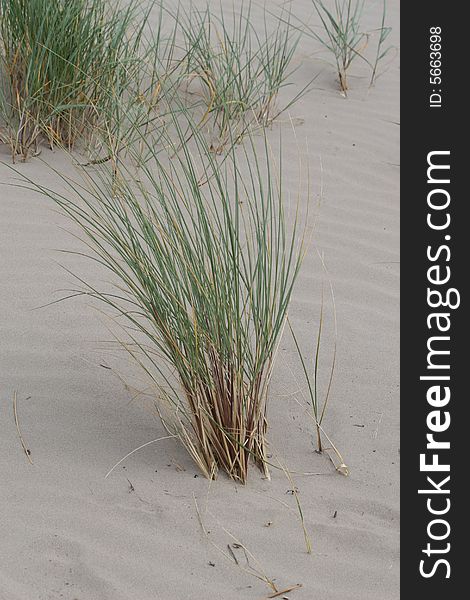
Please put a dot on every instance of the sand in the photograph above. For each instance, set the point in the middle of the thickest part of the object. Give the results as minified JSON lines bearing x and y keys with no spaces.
{"x":67,"y":532}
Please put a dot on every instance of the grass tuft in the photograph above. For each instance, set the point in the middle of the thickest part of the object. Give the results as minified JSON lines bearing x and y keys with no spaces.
{"x":241,"y":69}
{"x":343,"y":36}
{"x":61,"y":63}
{"x":204,"y":265}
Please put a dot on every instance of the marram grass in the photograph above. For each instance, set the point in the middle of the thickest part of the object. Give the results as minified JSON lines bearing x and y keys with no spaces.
{"x":204,"y":260}
{"x":342,"y":35}
{"x":241,"y":69}
{"x":60,"y":63}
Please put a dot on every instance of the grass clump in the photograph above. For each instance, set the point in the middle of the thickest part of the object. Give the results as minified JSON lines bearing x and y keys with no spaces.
{"x":204,"y":265}
{"x":60,"y":63}
{"x":343,"y":36}
{"x":241,"y":69}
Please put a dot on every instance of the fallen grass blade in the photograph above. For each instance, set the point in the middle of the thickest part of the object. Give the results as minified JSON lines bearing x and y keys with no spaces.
{"x":288,"y":474}
{"x":26,"y":450}
{"x":256,"y":572}
{"x":286,"y":591}
{"x":166,"y":437}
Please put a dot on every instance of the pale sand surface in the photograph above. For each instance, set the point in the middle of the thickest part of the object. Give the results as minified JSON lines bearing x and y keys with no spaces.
{"x":66,"y":532}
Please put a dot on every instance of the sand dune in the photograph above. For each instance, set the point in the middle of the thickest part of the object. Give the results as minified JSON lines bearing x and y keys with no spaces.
{"x":67,"y":532}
